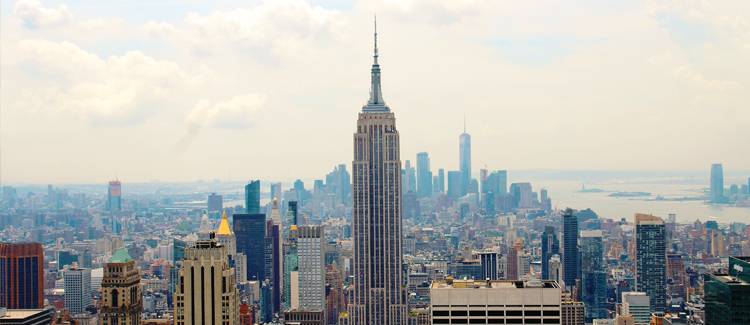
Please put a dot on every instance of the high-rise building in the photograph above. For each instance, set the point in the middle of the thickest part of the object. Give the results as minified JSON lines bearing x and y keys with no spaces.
{"x":114,"y":196}
{"x":523,"y":195}
{"x":311,"y":268}
{"x":274,"y":263}
{"x":338,"y":183}
{"x":215,"y":204}
{"x":21,"y":275}
{"x":409,"y":178}
{"x":252,"y":197}
{"x":650,"y":259}
{"x":550,"y":246}
{"x":379,"y":294}
{"x":121,"y":301}
{"x":250,"y":233}
{"x":464,"y":159}
{"x":440,"y":184}
{"x":571,"y":264}
{"x":276,"y":192}
{"x":454,"y":184}
{"x":555,"y":269}
{"x":206,"y":292}
{"x":77,"y":283}
{"x":424,"y":175}
{"x":572,"y":313}
{"x":237,"y":260}
{"x":225,"y":235}
{"x":593,"y":275}
{"x":291,"y":269}
{"x":497,"y":182}
{"x":717,"y":183}
{"x":488,"y":261}
{"x":637,"y":305}
{"x":726,"y":294}
{"x":293,"y":212}
{"x":514,"y":253}
{"x":495,"y":302}
{"x":677,"y":279}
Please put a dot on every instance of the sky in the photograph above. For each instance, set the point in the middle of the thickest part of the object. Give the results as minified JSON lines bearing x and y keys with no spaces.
{"x":182,"y":90}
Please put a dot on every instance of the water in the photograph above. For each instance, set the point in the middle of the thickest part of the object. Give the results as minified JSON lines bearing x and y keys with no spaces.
{"x":566,"y":193}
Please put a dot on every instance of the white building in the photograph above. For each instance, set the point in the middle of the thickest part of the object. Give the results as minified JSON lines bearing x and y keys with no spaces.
{"x":77,"y":282}
{"x":636,"y":304}
{"x":312,"y":279}
{"x":495,"y":302}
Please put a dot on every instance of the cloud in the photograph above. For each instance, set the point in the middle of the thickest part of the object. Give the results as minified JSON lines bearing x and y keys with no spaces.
{"x":116,"y":90}
{"x":35,"y":15}
{"x":239,"y":112}
{"x":273,"y":28}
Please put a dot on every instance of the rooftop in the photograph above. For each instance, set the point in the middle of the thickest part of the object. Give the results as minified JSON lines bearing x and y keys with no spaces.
{"x":121,"y":256}
{"x":492,"y":284}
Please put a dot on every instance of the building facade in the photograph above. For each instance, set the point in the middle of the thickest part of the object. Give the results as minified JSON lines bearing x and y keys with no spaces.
{"x":727,"y":296}
{"x":550,"y":246}
{"x":379,"y":295}
{"x":250,"y":233}
{"x":121,"y":301}
{"x":593,"y":275}
{"x":252,"y":197}
{"x":651,"y":260}
{"x":717,"y":183}
{"x":21,"y":275}
{"x":77,"y":283}
{"x":571,"y":263}
{"x":495,"y":302}
{"x":206,"y":292}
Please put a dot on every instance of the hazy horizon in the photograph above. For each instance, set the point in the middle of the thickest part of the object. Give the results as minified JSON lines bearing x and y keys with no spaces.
{"x":183,"y":91}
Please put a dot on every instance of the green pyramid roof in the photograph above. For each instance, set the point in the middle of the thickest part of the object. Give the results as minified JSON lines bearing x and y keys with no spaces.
{"x":120,"y":256}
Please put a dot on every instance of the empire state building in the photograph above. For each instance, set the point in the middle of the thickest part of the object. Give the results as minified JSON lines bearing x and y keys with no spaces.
{"x":379,"y":294}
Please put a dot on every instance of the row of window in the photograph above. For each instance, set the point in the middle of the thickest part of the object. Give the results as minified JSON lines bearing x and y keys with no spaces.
{"x":483,"y":313}
{"x":496,"y":321}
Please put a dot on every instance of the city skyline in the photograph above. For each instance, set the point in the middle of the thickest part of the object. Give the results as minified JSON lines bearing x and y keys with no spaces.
{"x":79,"y":92}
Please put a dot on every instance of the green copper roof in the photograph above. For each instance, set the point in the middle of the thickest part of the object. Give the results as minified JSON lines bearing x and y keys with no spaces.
{"x":121,"y":256}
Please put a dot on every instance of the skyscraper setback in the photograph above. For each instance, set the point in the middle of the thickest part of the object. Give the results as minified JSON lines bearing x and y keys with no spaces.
{"x":379,"y":295}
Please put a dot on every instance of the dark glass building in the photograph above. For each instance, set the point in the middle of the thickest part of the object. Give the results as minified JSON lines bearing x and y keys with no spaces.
{"x":727,"y":296}
{"x":250,"y":233}
{"x":21,"y":275}
{"x":571,"y":263}
{"x":252,"y":197}
{"x":593,"y":275}
{"x":651,"y":259}
{"x":488,"y":261}
{"x":550,"y":246}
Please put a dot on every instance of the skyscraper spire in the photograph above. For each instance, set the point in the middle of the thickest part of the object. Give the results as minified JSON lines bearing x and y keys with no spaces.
{"x":376,"y":102}
{"x":375,"y":57}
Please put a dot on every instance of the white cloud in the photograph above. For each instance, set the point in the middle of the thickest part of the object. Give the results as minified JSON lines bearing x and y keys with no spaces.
{"x":117,"y":90}
{"x":273,"y":28}
{"x":239,"y":112}
{"x":36,"y":15}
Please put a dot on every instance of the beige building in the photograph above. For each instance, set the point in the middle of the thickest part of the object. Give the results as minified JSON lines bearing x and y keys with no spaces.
{"x":573,"y":313}
{"x":121,"y":301}
{"x":206,"y":291}
{"x":495,"y":302}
